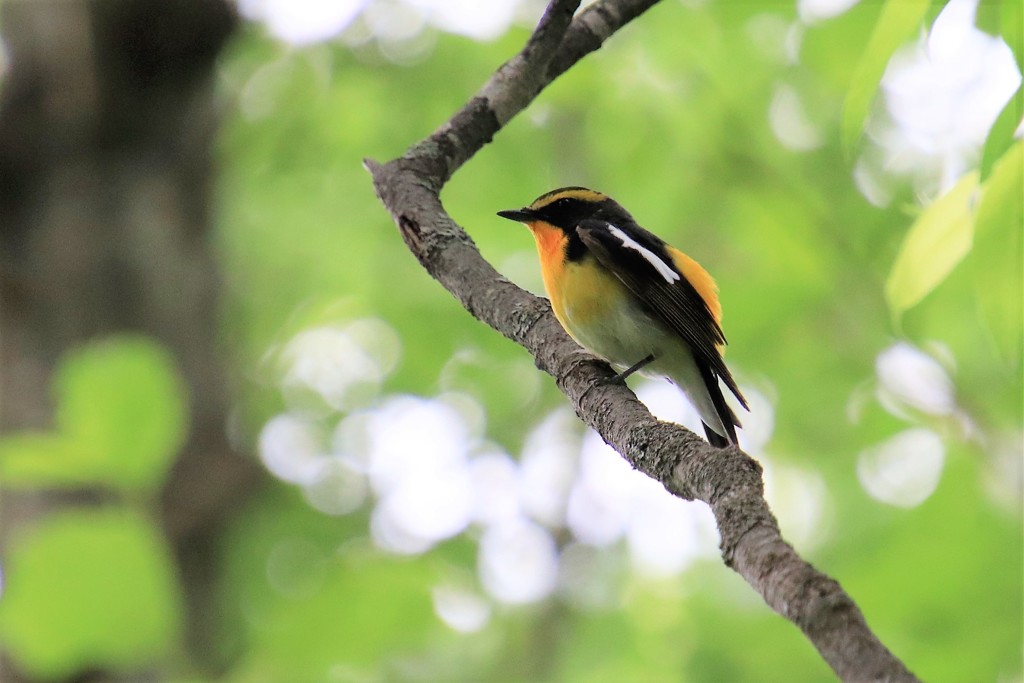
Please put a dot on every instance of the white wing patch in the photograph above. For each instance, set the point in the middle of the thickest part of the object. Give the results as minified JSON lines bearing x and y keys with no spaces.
{"x":663,"y":268}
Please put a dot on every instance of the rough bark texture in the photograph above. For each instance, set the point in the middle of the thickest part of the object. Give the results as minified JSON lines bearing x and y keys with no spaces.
{"x":107,"y":119}
{"x":729,"y":481}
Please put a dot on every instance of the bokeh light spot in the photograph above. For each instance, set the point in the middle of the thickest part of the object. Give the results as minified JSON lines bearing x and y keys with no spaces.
{"x":471,"y":18}
{"x":942,"y":95}
{"x":518,"y":562}
{"x":789,"y":120}
{"x":337,"y":489}
{"x":548,"y":467}
{"x":302,"y":22}
{"x":812,"y":11}
{"x":599,"y":504}
{"x":343,"y":366}
{"x":462,"y":610}
{"x":495,"y":486}
{"x":662,"y":533}
{"x":290,"y":447}
{"x":911,"y":377}
{"x":799,"y":498}
{"x":904,"y":470}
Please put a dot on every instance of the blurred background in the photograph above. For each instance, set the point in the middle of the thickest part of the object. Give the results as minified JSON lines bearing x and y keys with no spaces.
{"x":246,"y":438}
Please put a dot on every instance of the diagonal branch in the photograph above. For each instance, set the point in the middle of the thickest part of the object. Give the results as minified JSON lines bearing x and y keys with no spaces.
{"x":729,"y":481}
{"x":558,"y":42}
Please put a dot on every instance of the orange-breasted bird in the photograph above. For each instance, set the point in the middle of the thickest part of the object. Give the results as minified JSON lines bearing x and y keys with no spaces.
{"x":625,"y":295}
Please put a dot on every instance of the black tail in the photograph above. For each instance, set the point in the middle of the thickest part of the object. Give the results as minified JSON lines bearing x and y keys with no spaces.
{"x":725,"y":413}
{"x":714,"y":438}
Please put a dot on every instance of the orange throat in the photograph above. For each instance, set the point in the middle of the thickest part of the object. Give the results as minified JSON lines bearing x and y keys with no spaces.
{"x":551,"y":242}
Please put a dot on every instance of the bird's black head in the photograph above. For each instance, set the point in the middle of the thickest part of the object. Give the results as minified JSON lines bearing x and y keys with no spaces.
{"x":567,"y":206}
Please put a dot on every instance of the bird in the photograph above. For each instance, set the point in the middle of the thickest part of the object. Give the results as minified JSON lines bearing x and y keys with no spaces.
{"x":627,"y":296}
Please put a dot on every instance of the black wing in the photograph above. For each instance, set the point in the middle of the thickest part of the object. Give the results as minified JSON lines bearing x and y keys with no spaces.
{"x":661,"y":289}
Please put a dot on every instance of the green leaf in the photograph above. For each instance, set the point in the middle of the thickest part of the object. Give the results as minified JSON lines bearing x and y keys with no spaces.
{"x":124,"y":399}
{"x":1003,"y":19}
{"x":89,"y":590}
{"x":37,"y":460}
{"x":1000,"y":137}
{"x":121,"y":417}
{"x":897,"y":22}
{"x":1013,"y":29}
{"x":936,"y":242}
{"x":998,"y":247}
{"x":1000,"y":205}
{"x":987,"y":16}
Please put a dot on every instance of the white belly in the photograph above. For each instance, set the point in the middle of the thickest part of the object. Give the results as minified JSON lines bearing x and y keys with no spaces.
{"x":598,"y":312}
{"x":623,"y":336}
{"x":627,"y":335}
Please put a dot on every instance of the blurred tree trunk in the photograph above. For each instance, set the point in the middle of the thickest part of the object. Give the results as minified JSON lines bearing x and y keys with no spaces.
{"x":107,"y":122}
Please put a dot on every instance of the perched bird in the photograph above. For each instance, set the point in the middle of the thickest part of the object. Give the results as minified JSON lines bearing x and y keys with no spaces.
{"x":624,"y":294}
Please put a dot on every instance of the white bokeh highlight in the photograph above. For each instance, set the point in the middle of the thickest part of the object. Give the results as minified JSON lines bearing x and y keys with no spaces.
{"x":415,"y":453}
{"x":338,"y":488}
{"x":471,"y":18}
{"x":790,"y":122}
{"x":302,"y":22}
{"x":291,"y":448}
{"x":518,"y":562}
{"x":431,"y":476}
{"x":611,"y":502}
{"x":430,"y":507}
{"x":393,"y":22}
{"x":666,"y":534}
{"x":601,"y":498}
{"x":405,"y":438}
{"x":799,"y":498}
{"x":812,"y":11}
{"x":338,"y":364}
{"x":943,"y":94}
{"x":909,"y":377}
{"x":495,"y":483}
{"x":461,"y":609}
{"x":903,"y":470}
{"x":548,"y":466}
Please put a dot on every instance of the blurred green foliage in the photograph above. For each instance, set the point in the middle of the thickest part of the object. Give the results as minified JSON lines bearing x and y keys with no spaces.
{"x":939,"y":239}
{"x":120,"y":421}
{"x":899,"y":20}
{"x":90,"y":590}
{"x":672,"y":118}
{"x":96,"y":589}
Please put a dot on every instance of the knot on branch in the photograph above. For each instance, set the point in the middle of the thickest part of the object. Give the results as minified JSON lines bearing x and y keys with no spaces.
{"x":411,"y":234}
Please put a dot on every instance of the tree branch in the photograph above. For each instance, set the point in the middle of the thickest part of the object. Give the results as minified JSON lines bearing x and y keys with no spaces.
{"x":729,"y":481}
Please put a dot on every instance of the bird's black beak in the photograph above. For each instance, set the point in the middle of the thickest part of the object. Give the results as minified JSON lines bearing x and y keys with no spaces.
{"x":521,"y":215}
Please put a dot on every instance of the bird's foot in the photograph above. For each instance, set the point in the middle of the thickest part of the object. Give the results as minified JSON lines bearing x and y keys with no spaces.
{"x":621,"y":377}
